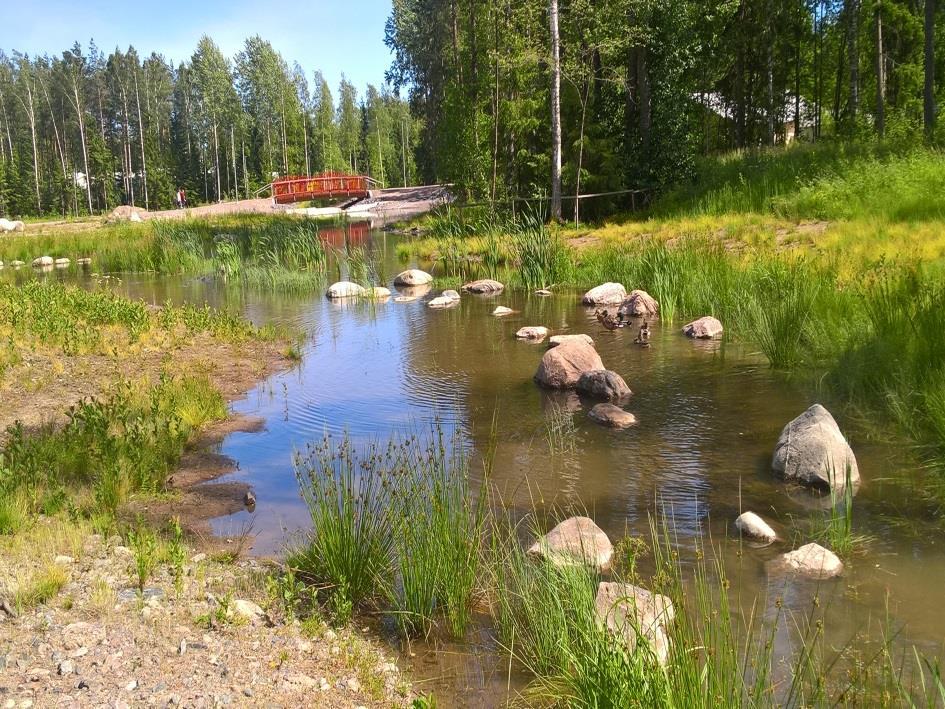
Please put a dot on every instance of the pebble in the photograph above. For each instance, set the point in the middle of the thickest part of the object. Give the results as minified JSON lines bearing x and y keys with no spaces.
{"x":323,"y":684}
{"x":131,"y":686}
{"x":66,"y":667}
{"x":247,"y":692}
{"x":197,"y":558}
{"x":122,"y":551}
{"x":64,"y":560}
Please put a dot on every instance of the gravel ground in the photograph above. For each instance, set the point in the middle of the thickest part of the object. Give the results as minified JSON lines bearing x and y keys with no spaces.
{"x":221,"y":642}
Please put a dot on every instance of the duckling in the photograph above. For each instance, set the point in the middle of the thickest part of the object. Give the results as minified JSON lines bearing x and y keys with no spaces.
{"x":643,"y":337}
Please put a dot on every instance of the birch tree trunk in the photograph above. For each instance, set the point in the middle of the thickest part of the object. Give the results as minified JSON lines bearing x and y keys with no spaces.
{"x":928,"y":94}
{"x":555,"y":113}
{"x":216,"y":158}
{"x":880,"y":76}
{"x":77,"y":105}
{"x":144,"y":160}
{"x":236,"y":179}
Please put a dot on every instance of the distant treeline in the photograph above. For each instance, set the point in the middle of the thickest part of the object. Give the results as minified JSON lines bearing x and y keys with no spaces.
{"x":649,"y":85}
{"x":84,"y":131}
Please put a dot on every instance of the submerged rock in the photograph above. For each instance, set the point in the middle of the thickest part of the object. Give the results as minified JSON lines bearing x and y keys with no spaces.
{"x":613,"y":416}
{"x":345,"y":289}
{"x":43,"y":261}
{"x":751,"y":525}
{"x":706,"y":328}
{"x":544,"y":292}
{"x":810,"y":560}
{"x":62,"y":262}
{"x":562,"y":339}
{"x":84,"y":261}
{"x":447,"y":299}
{"x":535,"y":332}
{"x":502,"y":311}
{"x":639,"y":304}
{"x":631,"y":612}
{"x":562,"y":366}
{"x":605,"y":294}
{"x":378,"y":292}
{"x":16,"y":263}
{"x":575,"y":541}
{"x":483,"y":286}
{"x":603,"y":384}
{"x":413,"y":277}
{"x":812,"y":450}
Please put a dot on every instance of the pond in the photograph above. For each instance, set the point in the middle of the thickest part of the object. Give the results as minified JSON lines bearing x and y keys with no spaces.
{"x":709,"y":416}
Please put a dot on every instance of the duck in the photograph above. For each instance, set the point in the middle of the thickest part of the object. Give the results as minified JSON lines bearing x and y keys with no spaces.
{"x":609,"y":321}
{"x":643,"y":337}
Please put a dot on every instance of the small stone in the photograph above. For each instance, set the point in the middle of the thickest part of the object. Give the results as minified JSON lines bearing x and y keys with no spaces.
{"x":66,"y":667}
{"x":544,"y":292}
{"x":811,"y":560}
{"x":64,"y":560}
{"x":751,"y":525}
{"x":182,"y":648}
{"x":323,"y":684}
{"x":484,"y":286}
{"x":345,"y":289}
{"x":502,"y":311}
{"x":197,"y":558}
{"x":605,"y":294}
{"x":413,"y":277}
{"x":43,"y":261}
{"x":707,"y":328}
{"x":576,"y":540}
{"x":443,"y":301}
{"x":79,"y":652}
{"x":158,"y":688}
{"x":247,"y":692}
{"x":131,"y":686}
{"x":330,"y":635}
{"x":122,"y":552}
{"x":351,"y":684}
{"x":612,"y":416}
{"x":534,"y":333}
{"x":248,"y":610}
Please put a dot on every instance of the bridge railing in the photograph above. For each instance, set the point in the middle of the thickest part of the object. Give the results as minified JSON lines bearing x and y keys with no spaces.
{"x":297,"y":188}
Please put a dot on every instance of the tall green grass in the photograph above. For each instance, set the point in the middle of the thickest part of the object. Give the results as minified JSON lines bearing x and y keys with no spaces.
{"x":394,"y":526}
{"x":827,"y":180}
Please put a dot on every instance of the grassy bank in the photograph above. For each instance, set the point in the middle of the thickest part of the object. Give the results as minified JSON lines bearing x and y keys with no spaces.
{"x":256,"y":251}
{"x":398,"y":532}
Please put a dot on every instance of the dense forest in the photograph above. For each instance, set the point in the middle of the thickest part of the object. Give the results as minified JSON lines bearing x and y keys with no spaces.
{"x":642,"y":88}
{"x":646,"y":86}
{"x":85,"y":131}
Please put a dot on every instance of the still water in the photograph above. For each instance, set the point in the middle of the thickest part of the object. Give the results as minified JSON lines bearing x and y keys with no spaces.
{"x":709,"y":416}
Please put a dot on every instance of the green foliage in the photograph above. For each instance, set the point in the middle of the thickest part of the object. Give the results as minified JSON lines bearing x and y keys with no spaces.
{"x":177,"y":555}
{"x":144,"y":548}
{"x":126,"y":443}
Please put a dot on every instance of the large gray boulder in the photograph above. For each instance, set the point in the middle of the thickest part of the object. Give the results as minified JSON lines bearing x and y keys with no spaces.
{"x":575,"y":541}
{"x":632,"y":612}
{"x":605,"y":294}
{"x":345,"y":289}
{"x":483,"y":287}
{"x":562,"y":366}
{"x":413,"y":277}
{"x":639,"y":304}
{"x":810,"y":560}
{"x":812,"y":450}
{"x":707,"y":328}
{"x":612,"y":416}
{"x":603,"y":384}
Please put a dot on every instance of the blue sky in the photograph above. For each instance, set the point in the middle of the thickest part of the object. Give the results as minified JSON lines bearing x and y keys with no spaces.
{"x":332,"y":36}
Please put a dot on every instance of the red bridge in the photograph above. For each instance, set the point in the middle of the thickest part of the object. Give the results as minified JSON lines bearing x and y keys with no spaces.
{"x":300,"y":188}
